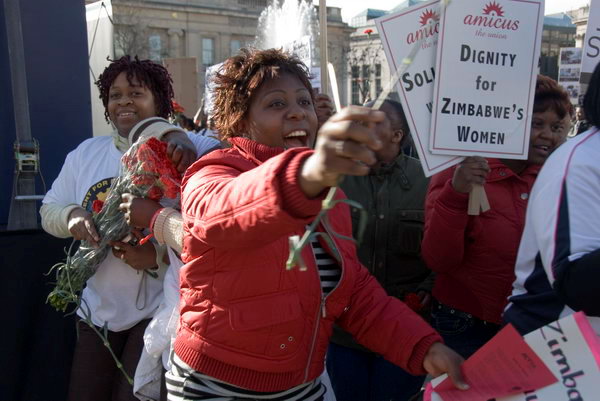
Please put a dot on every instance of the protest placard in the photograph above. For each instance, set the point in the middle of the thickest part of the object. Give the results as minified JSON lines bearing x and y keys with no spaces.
{"x":504,"y":365}
{"x":302,"y":48}
{"x":569,"y":71}
{"x":209,"y":87}
{"x":570,"y":56}
{"x":569,"y":74}
{"x":400,"y":32}
{"x":591,"y":45}
{"x":486,"y":72}
{"x":569,"y":348}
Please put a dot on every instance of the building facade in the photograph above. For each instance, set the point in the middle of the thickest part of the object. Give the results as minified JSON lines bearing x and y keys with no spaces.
{"x":579,"y":17}
{"x":207,"y":30}
{"x":368,"y":69}
{"x":559,"y":31}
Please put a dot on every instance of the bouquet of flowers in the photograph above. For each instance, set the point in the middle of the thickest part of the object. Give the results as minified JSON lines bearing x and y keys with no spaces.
{"x":147,"y":172}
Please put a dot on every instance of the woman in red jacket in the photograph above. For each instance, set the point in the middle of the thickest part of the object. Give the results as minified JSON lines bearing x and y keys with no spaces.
{"x":250,"y":328}
{"x":474,"y":256}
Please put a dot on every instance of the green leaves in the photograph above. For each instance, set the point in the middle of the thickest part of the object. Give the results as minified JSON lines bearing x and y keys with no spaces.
{"x":297,"y":244}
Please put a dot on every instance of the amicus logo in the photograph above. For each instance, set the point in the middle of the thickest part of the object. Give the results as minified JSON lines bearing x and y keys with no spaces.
{"x":494,"y":8}
{"x":428,"y":16}
{"x":430,"y":25}
{"x":492,"y":17}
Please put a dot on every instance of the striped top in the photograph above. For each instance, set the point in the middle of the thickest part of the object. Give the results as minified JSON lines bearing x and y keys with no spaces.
{"x":184,"y":384}
{"x":329,"y":270}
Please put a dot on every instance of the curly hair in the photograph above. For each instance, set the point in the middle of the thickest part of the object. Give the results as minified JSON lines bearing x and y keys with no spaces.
{"x":549,"y":95}
{"x":148,"y":73}
{"x":239,"y":78}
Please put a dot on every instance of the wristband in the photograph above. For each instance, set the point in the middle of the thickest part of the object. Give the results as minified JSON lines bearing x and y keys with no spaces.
{"x":153,"y":219}
{"x":160,"y":224}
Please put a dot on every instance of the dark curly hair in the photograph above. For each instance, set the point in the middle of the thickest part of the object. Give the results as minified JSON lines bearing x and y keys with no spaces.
{"x":239,"y":78}
{"x":149,"y":74}
{"x":550,"y":95}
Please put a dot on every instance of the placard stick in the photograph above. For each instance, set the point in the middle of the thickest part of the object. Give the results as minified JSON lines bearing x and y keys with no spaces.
{"x":485,"y":204}
{"x":474,"y":200}
{"x":334,"y":88}
{"x":323,"y":46}
{"x":478,"y":201}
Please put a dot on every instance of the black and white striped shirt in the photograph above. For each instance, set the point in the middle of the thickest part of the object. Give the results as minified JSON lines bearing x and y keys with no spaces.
{"x":329,"y":270}
{"x":186,"y":384}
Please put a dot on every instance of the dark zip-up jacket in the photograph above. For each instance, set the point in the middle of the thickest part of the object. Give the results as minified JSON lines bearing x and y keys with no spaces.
{"x":390,"y":248}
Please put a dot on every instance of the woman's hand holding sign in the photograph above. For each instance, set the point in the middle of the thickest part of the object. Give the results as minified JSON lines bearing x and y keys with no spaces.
{"x":471,"y":171}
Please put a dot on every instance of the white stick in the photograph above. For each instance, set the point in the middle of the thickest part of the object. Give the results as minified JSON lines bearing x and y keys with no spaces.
{"x":334,"y":87}
{"x":323,"y":46}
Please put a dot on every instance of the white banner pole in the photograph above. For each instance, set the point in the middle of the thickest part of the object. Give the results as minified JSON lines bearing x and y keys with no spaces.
{"x":323,"y":46}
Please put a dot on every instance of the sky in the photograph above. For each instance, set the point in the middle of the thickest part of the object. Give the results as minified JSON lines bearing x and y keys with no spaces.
{"x":352,"y":7}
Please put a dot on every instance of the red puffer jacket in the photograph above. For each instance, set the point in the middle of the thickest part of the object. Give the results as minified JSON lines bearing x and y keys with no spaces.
{"x":245,"y":319}
{"x":474,"y":256}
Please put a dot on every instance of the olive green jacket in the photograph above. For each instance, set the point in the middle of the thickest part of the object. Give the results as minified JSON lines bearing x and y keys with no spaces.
{"x":394,"y":198}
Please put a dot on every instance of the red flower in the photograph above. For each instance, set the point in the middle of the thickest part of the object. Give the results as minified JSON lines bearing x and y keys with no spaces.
{"x":171,"y":187}
{"x":159,"y":147}
{"x":149,"y":166}
{"x":129,"y":161}
{"x":177,"y":108}
{"x":155,"y":193}
{"x":151,"y":171}
{"x":143,"y":180}
{"x":413,"y":301}
{"x":368,"y":31}
{"x":97,"y":206}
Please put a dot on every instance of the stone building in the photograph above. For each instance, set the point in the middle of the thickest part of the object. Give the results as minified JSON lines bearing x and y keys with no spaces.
{"x":367,"y":65}
{"x":559,"y":31}
{"x":368,"y":69}
{"x":207,"y":30}
{"x":579,"y":17}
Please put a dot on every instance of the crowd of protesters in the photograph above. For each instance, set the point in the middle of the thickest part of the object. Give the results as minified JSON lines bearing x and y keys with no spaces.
{"x":425,"y":286}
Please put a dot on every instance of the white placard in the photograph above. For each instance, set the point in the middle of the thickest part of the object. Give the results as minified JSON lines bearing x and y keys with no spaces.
{"x":400,"y":32}
{"x":486,"y":67}
{"x":571,"y":349}
{"x":302,"y":49}
{"x":209,"y":87}
{"x":569,"y":74}
{"x":591,"y":46}
{"x":570,"y":56}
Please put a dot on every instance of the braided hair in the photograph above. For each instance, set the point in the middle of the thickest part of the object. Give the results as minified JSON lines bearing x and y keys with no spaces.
{"x":148,"y":73}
